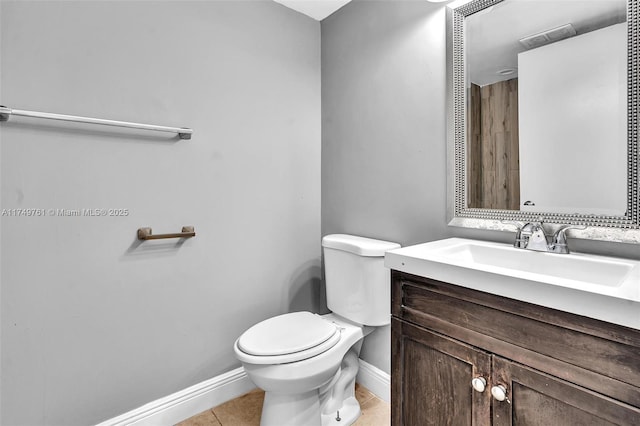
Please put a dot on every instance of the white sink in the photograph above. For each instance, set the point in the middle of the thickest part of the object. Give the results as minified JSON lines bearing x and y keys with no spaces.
{"x":599,"y":287}
{"x":550,"y":267}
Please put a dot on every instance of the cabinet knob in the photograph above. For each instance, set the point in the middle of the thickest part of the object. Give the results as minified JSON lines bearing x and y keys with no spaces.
{"x":499,"y":392}
{"x":479,"y":384}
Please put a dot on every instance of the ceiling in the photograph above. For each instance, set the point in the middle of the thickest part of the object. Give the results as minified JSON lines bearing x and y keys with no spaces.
{"x":492,"y":35}
{"x":317,"y":9}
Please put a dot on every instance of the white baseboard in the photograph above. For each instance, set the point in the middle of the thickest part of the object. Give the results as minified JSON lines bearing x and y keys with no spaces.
{"x":374,"y":379}
{"x":188,"y":402}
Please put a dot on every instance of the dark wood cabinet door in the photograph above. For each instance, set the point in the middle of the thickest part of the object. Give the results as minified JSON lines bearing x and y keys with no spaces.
{"x":431,"y":379}
{"x":537,"y":399}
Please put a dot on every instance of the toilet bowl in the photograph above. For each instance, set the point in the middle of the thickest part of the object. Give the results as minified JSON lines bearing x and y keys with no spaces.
{"x":307,"y":363}
{"x":296,"y":377}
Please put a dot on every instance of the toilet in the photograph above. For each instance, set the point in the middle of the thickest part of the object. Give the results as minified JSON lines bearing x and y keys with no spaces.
{"x":307,"y":363}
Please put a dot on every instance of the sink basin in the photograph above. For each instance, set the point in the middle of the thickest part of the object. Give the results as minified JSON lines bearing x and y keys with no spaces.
{"x":600,"y":287}
{"x":596,"y":270}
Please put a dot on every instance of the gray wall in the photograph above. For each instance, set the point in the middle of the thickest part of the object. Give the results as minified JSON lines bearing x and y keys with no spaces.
{"x":383,"y":121}
{"x":93,"y":323}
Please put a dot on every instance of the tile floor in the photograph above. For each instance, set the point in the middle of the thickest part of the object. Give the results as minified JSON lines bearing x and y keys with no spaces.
{"x":245,"y":411}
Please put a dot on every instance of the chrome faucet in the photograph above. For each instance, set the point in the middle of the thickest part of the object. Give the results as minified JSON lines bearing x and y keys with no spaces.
{"x":538,"y":240}
{"x":532,"y":236}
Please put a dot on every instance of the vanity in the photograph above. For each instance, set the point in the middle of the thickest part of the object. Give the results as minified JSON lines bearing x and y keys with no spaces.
{"x":545,"y":146}
{"x":479,"y":340}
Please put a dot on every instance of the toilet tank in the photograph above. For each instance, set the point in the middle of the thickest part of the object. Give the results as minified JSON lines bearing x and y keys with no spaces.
{"x":358,"y":284}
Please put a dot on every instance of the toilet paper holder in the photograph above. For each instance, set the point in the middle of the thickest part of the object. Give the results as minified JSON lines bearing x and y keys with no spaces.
{"x":147,"y":234}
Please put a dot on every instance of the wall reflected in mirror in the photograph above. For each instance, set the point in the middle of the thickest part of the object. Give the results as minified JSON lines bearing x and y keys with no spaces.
{"x":546,"y":106}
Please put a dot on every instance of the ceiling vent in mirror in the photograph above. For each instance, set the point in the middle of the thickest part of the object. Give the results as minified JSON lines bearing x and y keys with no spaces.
{"x":548,"y":36}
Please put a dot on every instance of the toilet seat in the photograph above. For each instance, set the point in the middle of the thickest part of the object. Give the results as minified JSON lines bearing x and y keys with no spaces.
{"x":287,"y":338}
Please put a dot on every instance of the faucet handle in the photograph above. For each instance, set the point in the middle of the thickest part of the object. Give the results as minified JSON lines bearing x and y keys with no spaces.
{"x":559,"y":240}
{"x":561,"y":233}
{"x":519,"y":242}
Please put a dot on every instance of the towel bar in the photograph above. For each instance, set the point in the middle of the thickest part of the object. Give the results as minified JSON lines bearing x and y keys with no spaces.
{"x":183,"y":132}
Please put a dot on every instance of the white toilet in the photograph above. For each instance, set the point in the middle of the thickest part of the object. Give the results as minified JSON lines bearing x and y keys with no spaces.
{"x":307,"y":363}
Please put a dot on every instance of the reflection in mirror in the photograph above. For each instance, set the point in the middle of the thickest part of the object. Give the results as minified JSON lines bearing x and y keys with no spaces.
{"x":543,"y":115}
{"x":546,"y":106}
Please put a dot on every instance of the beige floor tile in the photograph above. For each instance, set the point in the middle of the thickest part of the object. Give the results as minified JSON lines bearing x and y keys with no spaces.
{"x":206,"y":418}
{"x":375,"y":412}
{"x":242,"y":411}
{"x":363,"y":394}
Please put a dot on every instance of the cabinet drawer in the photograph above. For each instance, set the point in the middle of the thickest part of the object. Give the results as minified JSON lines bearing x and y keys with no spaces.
{"x":600,"y":356}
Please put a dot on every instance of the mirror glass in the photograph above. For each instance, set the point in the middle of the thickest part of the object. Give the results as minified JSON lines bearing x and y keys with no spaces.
{"x":547,"y":106}
{"x":540,"y":98}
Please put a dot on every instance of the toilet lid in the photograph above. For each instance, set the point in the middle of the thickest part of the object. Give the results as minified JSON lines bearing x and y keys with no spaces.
{"x":286,"y":334}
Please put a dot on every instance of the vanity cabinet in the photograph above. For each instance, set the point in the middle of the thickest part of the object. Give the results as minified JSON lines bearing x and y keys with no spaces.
{"x":453,"y":346}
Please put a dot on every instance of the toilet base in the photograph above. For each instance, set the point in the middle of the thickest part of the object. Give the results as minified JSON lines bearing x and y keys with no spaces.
{"x":349,"y":413}
{"x":291,"y":409}
{"x":304,"y":409}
